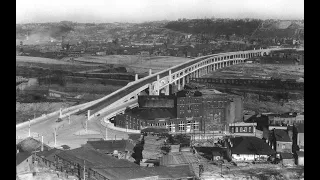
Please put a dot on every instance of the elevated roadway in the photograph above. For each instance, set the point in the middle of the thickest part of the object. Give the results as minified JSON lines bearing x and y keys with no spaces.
{"x":159,"y":82}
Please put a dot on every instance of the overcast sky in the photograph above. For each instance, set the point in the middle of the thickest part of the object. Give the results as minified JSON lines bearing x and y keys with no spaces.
{"x":149,"y":10}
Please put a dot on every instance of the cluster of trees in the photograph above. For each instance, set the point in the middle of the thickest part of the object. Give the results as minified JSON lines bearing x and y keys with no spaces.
{"x":215,"y":27}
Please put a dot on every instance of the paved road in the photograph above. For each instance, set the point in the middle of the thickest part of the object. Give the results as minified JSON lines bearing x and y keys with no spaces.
{"x":66,"y":132}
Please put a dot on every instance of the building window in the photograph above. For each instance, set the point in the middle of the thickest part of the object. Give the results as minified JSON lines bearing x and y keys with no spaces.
{"x":158,"y":124}
{"x":245,"y":129}
{"x":181,"y":126}
{"x":236,"y":129}
{"x":249,"y":129}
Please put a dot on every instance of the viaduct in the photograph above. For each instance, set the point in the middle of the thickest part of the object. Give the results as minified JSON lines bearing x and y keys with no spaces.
{"x":157,"y":83}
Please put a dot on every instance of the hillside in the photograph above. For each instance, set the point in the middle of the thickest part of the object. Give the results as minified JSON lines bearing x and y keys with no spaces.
{"x":241,"y":28}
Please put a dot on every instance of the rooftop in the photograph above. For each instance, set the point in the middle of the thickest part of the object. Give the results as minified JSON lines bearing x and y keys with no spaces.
{"x":281,"y":135}
{"x":111,"y":145}
{"x":300,"y":153}
{"x":300,"y":128}
{"x":153,"y":113}
{"x":110,"y":167}
{"x":30,"y":144}
{"x":49,"y":155}
{"x":250,"y":145}
{"x":20,"y":157}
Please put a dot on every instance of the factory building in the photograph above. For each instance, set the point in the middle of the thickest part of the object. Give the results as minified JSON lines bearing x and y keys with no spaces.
{"x":183,"y":114}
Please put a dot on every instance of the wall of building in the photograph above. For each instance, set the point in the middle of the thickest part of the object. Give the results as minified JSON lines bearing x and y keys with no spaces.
{"x":24,"y":166}
{"x":284,"y":147}
{"x":300,"y":139}
{"x":301,"y":161}
{"x":288,"y":162}
{"x":247,"y":157}
{"x":156,"y":101}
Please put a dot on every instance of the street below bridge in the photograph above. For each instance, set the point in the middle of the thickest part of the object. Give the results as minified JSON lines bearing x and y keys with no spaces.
{"x":67,"y":133}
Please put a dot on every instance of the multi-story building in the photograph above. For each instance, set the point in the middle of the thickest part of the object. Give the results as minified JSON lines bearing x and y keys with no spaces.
{"x":178,"y":114}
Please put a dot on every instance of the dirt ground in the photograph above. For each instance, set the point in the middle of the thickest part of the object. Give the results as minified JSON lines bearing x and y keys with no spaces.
{"x":254,"y":172}
{"x":260,"y":70}
{"x":137,"y":64}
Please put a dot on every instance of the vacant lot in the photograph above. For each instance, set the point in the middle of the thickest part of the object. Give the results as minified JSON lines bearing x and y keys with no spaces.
{"x":39,"y":60}
{"x":135,"y":63}
{"x":260,"y":71}
{"x":25,"y":111}
{"x":254,"y":172}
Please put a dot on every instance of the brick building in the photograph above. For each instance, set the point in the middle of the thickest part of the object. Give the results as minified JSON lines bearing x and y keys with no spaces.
{"x":178,"y":114}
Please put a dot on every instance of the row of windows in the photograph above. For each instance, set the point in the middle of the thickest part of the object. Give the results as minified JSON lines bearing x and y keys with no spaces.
{"x":241,"y":129}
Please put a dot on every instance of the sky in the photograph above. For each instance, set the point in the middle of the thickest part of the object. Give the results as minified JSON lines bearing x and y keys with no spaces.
{"x":108,"y":11}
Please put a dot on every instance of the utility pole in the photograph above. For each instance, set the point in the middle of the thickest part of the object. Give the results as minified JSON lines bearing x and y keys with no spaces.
{"x":29,"y":129}
{"x":86,"y":126}
{"x":106,"y":135}
{"x":84,"y":169}
{"x":55,"y":137}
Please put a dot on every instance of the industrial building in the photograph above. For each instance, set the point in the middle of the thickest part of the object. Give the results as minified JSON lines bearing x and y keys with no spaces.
{"x":183,"y":114}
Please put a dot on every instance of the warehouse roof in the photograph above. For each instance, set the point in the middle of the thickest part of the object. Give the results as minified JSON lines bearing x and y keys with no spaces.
{"x":250,"y":145}
{"x":106,"y":165}
{"x":49,"y":155}
{"x":111,"y":145}
{"x":153,"y":113}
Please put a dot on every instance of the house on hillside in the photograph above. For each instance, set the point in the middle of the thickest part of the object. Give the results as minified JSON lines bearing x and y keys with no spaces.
{"x":23,"y":162}
{"x":121,"y":149}
{"x":248,"y":149}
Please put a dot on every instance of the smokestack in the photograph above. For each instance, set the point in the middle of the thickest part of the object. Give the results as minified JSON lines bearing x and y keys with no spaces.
{"x":41,"y":143}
